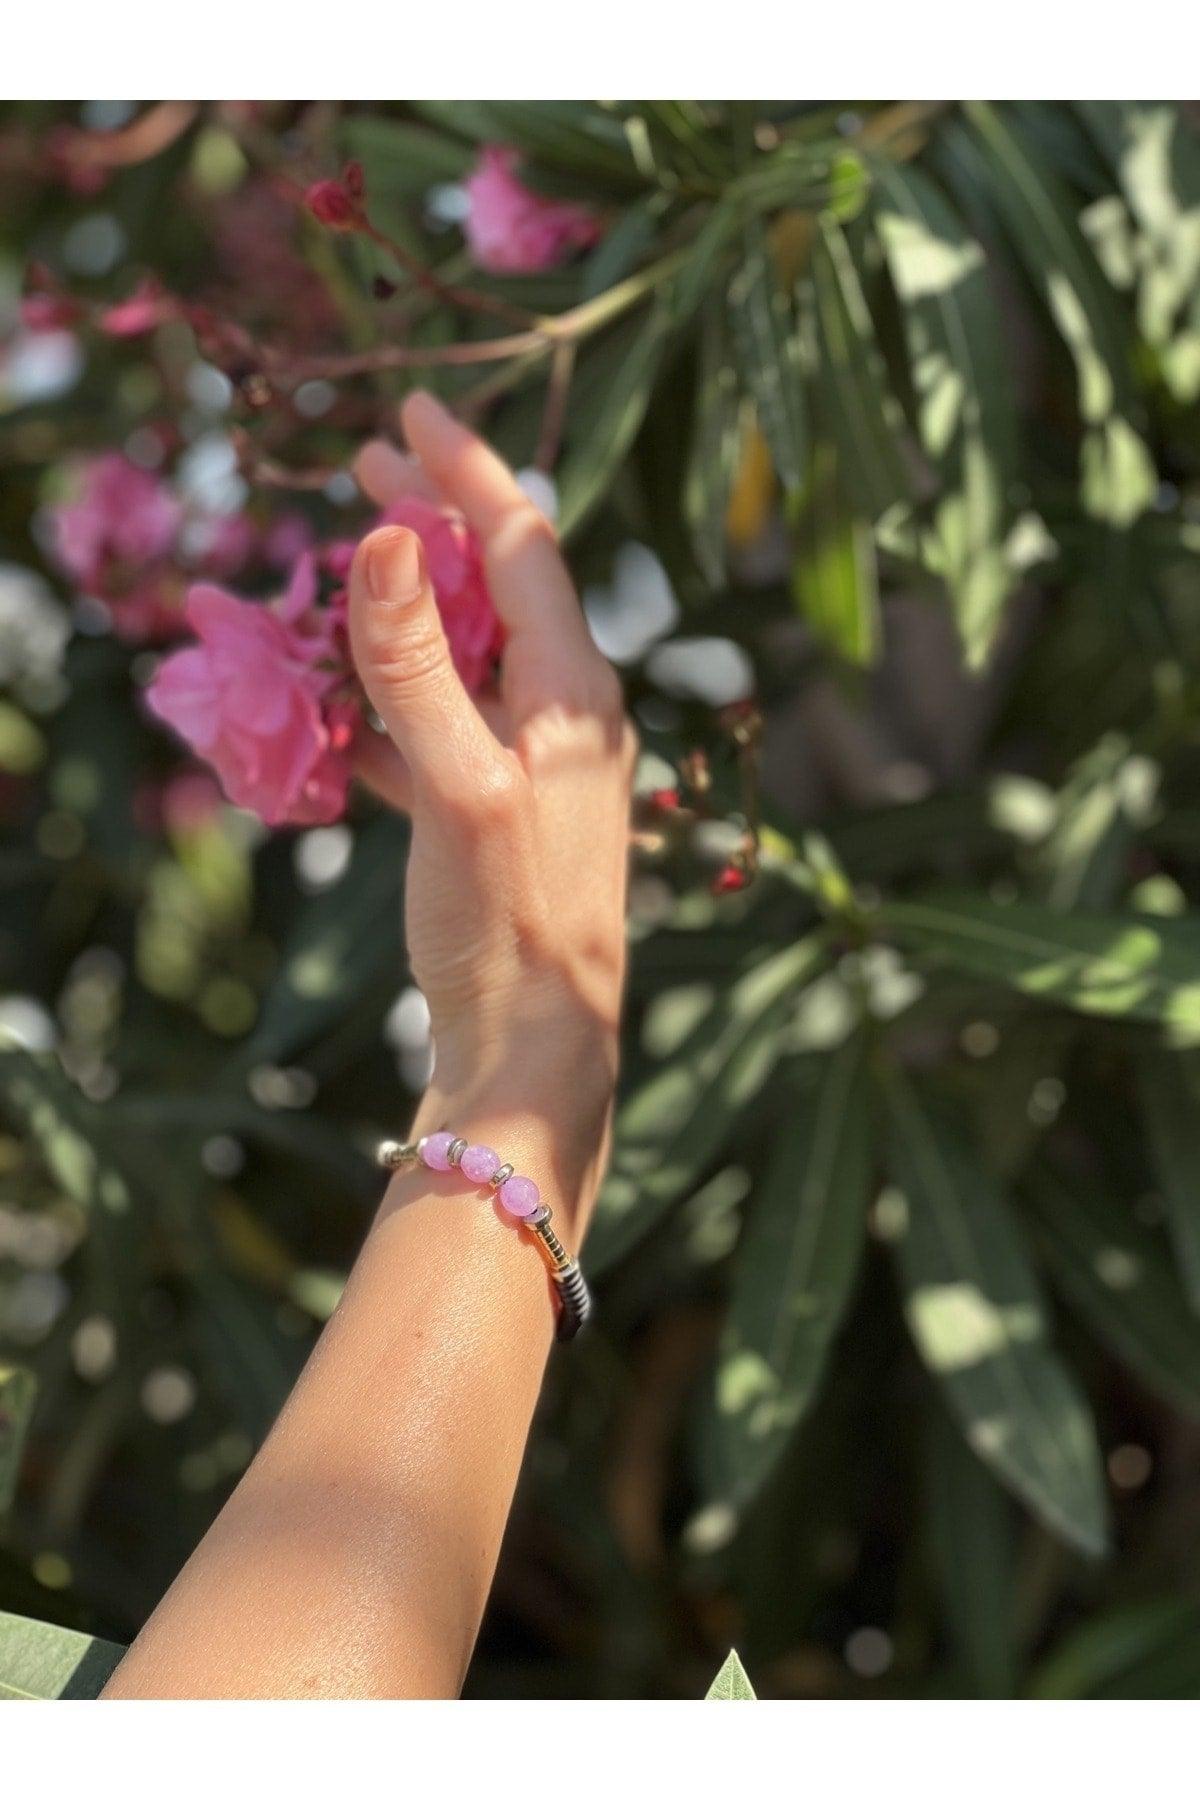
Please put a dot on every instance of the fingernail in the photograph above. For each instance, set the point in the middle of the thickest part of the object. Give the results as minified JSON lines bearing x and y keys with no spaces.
{"x":394,"y":566}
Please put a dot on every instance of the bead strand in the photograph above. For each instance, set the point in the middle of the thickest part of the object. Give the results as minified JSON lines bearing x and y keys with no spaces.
{"x":443,"y":1151}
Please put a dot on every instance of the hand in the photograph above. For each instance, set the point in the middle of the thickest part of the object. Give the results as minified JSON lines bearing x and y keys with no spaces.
{"x":516,"y":881}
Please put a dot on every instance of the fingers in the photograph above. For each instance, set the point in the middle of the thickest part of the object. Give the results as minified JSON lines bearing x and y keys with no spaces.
{"x":526,"y":574}
{"x":386,"y":475}
{"x":403,"y":661}
{"x":379,"y":765}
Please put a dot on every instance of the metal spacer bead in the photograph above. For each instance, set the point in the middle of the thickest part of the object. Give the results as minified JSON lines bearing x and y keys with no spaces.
{"x":542,"y":1216}
{"x":454,"y":1154}
{"x":391,"y":1155}
{"x":501,"y":1176}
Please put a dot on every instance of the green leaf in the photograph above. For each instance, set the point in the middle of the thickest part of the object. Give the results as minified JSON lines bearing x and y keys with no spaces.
{"x":1118,"y":475}
{"x":1116,"y":966}
{"x":863,"y":414}
{"x":717,"y":435}
{"x":979,"y":1324}
{"x":597,"y":451}
{"x":971,"y":1538}
{"x":18,"y":1391}
{"x":401,"y":161}
{"x":794,"y":1274}
{"x":46,"y":1662}
{"x":1148,"y":1651}
{"x":1169,"y":1091}
{"x":1119,"y":1276}
{"x":669,"y":1130}
{"x":1107,"y":798}
{"x":766,"y":333}
{"x":834,"y":576}
{"x":1157,"y":160}
{"x":65,"y":1127}
{"x":732,"y":1681}
{"x":963,"y":391}
{"x":344,"y":944}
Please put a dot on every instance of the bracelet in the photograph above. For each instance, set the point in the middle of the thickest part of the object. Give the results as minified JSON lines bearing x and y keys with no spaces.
{"x":519,"y":1196}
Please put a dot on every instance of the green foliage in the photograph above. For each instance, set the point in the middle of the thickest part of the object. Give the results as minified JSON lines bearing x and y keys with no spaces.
{"x":45,"y":1662}
{"x":898,"y":1256}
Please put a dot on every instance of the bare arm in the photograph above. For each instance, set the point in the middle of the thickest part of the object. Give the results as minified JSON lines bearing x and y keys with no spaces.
{"x":355,"y":1557}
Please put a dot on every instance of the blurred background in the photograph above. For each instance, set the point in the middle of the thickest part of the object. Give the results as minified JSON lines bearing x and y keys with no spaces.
{"x":871,"y":432}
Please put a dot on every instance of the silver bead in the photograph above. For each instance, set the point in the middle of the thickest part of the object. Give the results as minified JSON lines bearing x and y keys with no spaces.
{"x":542,"y":1216}
{"x":501,"y":1176}
{"x":454,"y":1154}
{"x":390,"y":1154}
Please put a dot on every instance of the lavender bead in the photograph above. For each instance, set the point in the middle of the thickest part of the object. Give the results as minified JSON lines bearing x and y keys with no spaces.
{"x":479,"y":1164}
{"x":520,"y":1196}
{"x":433,"y":1149}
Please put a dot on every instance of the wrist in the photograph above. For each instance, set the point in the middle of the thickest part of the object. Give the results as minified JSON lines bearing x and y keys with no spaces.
{"x":548,"y":1112}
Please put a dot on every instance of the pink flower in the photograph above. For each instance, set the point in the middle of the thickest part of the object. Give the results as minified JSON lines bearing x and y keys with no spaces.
{"x":145,"y":308}
{"x":455,"y":563}
{"x":513,"y":231}
{"x":123,"y":520}
{"x":255,"y":698}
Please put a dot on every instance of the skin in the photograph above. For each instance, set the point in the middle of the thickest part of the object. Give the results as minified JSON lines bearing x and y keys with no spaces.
{"x":354,"y":1558}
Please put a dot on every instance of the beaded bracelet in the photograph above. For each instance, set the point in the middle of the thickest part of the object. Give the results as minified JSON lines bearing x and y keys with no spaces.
{"x":519,"y":1196}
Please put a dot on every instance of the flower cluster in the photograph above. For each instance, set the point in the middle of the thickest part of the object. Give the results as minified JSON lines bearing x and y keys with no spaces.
{"x":126,"y":538}
{"x":267,"y":695}
{"x":513,"y":231}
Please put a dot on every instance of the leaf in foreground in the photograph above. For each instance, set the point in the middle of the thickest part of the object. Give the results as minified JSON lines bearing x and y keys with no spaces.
{"x":46,"y":1662}
{"x":732,"y":1681}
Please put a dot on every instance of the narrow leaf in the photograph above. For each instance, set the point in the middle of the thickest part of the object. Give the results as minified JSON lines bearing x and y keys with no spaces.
{"x":1117,"y":966}
{"x":979,"y":1324}
{"x":767,"y":337}
{"x":972,"y":1542}
{"x":965,"y":413}
{"x":1169,"y":1087}
{"x":1118,"y":475}
{"x":834,"y":576}
{"x":1118,"y":1274}
{"x":864,"y":416}
{"x":669,"y":1130}
{"x":18,"y":1391}
{"x":593,"y":458}
{"x":795,"y":1271}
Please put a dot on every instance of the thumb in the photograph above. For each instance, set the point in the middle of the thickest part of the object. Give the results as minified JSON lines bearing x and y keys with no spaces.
{"x":403,"y":662}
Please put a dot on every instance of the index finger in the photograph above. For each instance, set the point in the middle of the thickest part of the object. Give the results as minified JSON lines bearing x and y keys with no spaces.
{"x":526,"y":573}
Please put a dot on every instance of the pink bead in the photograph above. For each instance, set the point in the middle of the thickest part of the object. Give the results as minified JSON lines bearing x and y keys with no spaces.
{"x":520,"y":1196}
{"x":479,"y":1164}
{"x":433,"y":1149}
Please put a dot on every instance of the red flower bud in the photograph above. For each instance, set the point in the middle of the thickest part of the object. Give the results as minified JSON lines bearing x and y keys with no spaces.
{"x":731,"y":880}
{"x":329,"y":202}
{"x":49,"y":312}
{"x":665,"y":799}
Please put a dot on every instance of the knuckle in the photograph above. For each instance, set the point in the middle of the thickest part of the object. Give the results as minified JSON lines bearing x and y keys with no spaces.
{"x":493,"y":799}
{"x":411,"y":662}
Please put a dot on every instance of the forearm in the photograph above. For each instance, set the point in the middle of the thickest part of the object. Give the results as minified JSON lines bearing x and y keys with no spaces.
{"x":355,"y":1557}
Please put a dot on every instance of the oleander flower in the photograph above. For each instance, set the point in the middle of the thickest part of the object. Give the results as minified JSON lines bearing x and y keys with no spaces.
{"x":123,"y":519}
{"x":513,"y":231}
{"x":454,"y":560}
{"x":260,"y":698}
